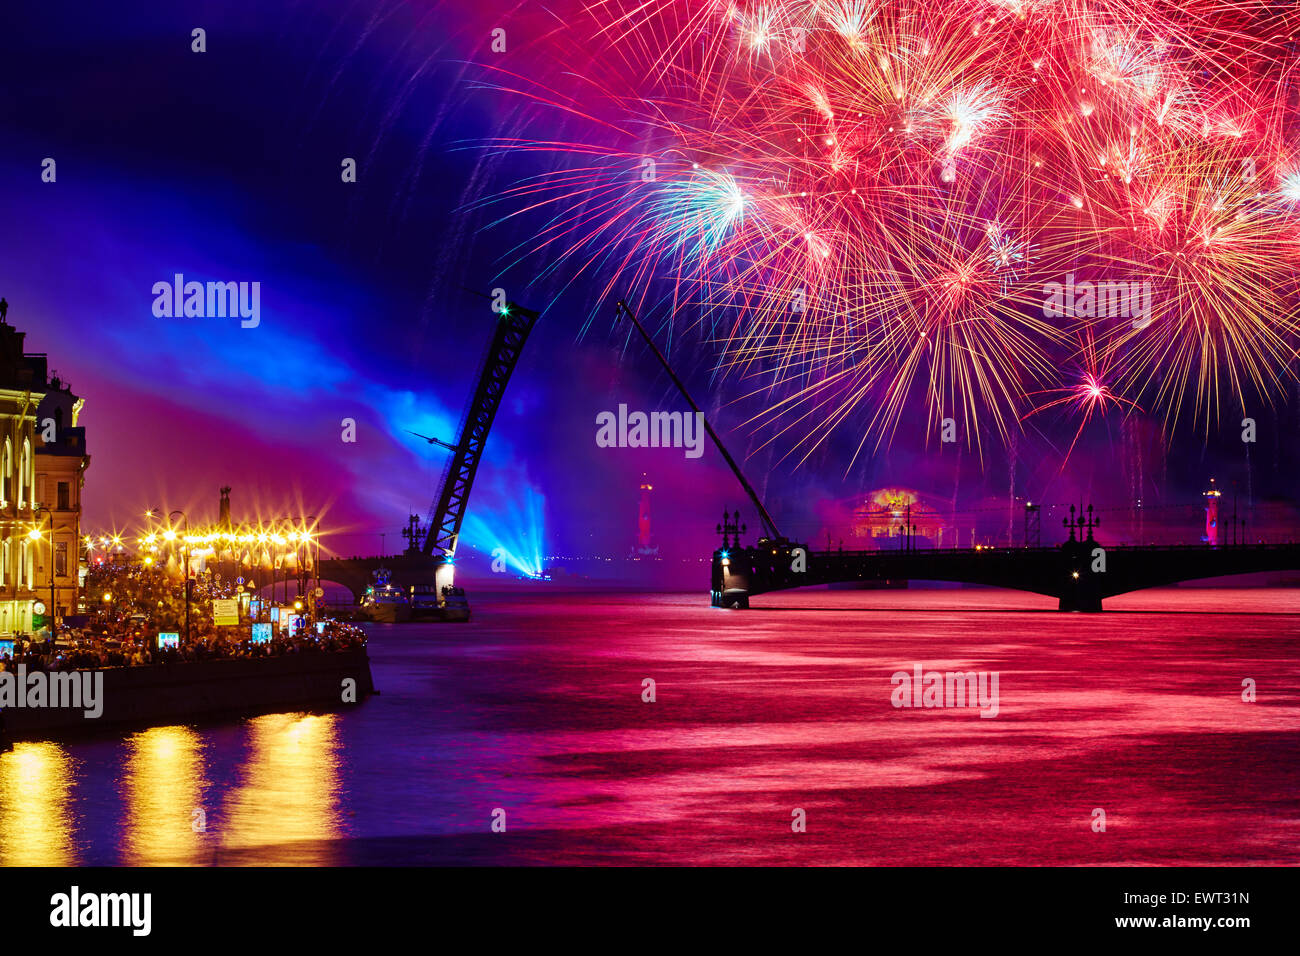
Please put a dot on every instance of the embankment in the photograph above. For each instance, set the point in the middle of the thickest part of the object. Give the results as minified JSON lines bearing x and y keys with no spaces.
{"x":193,"y":690}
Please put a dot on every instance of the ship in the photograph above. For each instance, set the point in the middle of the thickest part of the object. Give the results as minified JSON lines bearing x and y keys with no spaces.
{"x":429,"y":604}
{"x":383,"y":602}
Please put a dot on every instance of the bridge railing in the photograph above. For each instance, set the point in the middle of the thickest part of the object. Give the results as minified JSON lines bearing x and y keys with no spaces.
{"x":1003,"y":525}
{"x":1200,"y":546}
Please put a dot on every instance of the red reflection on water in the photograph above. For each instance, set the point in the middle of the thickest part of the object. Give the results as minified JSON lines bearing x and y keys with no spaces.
{"x":535,"y":708}
{"x":1137,"y":711}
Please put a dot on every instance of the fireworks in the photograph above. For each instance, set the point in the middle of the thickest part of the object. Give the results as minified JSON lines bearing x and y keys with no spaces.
{"x":1087,"y":397}
{"x":865,"y":201}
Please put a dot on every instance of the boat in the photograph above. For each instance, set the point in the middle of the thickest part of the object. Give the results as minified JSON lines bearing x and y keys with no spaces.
{"x":427,"y":604}
{"x":384,"y":602}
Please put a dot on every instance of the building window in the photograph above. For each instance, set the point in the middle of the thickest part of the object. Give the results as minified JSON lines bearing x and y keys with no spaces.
{"x":6,"y":470}
{"x":61,"y":559}
{"x":22,"y":473}
{"x":65,"y":497}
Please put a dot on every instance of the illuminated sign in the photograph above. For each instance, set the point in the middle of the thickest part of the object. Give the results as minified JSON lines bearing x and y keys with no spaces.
{"x":6,"y":648}
{"x":261,"y":633}
{"x":225,"y":613}
{"x":166,"y":639}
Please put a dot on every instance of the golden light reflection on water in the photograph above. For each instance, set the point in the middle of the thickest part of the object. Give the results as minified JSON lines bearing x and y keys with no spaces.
{"x":36,"y":825}
{"x":287,"y":796}
{"x":163,"y":784}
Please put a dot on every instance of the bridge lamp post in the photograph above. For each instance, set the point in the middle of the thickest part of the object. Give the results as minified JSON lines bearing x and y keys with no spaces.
{"x":186,"y":552}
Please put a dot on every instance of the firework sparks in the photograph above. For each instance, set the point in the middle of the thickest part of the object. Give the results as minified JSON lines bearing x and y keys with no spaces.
{"x":864,"y":201}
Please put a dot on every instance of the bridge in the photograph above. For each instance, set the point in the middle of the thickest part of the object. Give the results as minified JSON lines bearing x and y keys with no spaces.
{"x":429,"y":557}
{"x":1079,"y":573}
{"x":356,"y":574}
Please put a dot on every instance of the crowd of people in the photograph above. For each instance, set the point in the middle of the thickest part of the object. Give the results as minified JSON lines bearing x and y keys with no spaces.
{"x":129,"y":604}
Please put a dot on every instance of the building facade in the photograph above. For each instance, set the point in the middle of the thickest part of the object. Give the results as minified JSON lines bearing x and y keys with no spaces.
{"x":886,"y":513}
{"x":61,"y":463}
{"x":41,"y":475}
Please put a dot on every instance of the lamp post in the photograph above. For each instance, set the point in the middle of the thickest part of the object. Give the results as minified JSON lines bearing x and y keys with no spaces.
{"x":147,"y":544}
{"x":35,"y":535}
{"x":268,"y":540}
{"x":262,"y":604}
{"x":284,"y":554}
{"x":313,"y":538}
{"x":186,"y":570}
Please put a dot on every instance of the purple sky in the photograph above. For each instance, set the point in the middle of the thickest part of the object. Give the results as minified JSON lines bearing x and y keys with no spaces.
{"x":225,"y":166}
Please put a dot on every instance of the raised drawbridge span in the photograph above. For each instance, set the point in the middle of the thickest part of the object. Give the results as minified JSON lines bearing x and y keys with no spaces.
{"x":428,"y":558}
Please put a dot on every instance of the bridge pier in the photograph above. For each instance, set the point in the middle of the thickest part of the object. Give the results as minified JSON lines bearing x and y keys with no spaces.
{"x":734,"y":599}
{"x":1079,"y":602}
{"x":1082,"y":589}
{"x":730,"y":587}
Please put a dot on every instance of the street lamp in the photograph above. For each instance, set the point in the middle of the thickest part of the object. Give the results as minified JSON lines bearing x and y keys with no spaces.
{"x":281,"y":542}
{"x":262,"y":603}
{"x":313,"y":537}
{"x":171,"y":535}
{"x":35,"y":535}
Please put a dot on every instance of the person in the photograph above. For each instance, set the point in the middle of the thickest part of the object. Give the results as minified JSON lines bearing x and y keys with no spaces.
{"x":4,"y":308}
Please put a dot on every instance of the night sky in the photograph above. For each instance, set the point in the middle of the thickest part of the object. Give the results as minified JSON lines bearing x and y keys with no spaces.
{"x":226,"y":166}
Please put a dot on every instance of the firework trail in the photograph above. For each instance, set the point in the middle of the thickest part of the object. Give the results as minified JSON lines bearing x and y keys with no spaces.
{"x":865,"y":203}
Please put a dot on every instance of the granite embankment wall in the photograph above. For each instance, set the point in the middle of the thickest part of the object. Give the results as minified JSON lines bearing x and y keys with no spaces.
{"x":185,"y":691}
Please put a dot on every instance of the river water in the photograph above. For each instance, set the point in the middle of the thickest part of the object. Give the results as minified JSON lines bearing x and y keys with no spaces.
{"x":533,"y":714}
